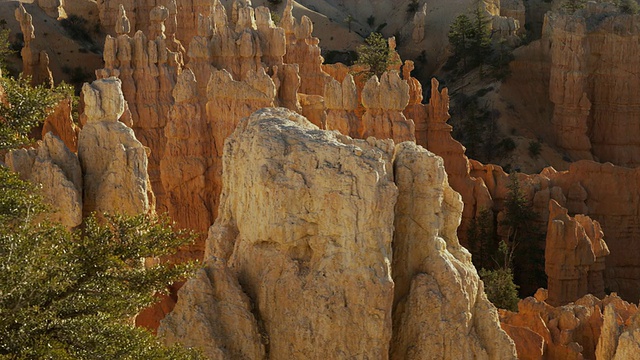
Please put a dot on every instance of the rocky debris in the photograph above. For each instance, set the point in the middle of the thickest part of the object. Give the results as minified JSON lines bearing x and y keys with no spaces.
{"x":61,"y":124}
{"x":35,"y":63}
{"x":307,"y":221}
{"x":384,"y":101}
{"x":114,"y":162}
{"x":586,"y":329}
{"x":419,"y":22}
{"x":574,"y":256}
{"x":57,"y":170}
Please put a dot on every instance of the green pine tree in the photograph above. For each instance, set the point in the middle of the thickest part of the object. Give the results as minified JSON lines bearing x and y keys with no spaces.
{"x":70,"y":295}
{"x":375,"y":54}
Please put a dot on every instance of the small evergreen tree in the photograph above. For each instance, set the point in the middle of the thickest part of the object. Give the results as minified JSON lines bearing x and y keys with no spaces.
{"x":461,"y":34}
{"x":482,"y":239}
{"x":349,"y":19}
{"x":500,"y":288}
{"x":375,"y":53}
{"x":524,"y":239}
{"x":69,"y":295}
{"x":27,"y":108}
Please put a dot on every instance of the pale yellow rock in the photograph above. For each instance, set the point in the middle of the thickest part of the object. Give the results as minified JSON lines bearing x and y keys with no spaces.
{"x":123,"y":25}
{"x":384,"y":101}
{"x":431,"y":269}
{"x":57,"y":170}
{"x":53,"y":8}
{"x":609,"y":334}
{"x":214,"y":315}
{"x":629,"y":342}
{"x":305,"y":225}
{"x":114,"y":162}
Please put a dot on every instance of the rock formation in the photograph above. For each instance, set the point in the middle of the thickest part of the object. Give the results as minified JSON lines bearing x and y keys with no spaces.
{"x":419,"y":22}
{"x":593,"y":51}
{"x":53,"y":166}
{"x":148,"y":71}
{"x":384,"y":102}
{"x":302,"y":49}
{"x":573,"y":248}
{"x":61,"y":124}
{"x":114,"y":162}
{"x":306,"y":221}
{"x":575,"y":331}
{"x":620,"y":340}
{"x":186,"y":164}
{"x":53,"y":8}
{"x":428,"y":263}
{"x":341,"y":101}
{"x":35,"y":63}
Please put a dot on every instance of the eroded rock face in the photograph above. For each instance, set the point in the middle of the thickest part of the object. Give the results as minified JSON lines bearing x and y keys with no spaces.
{"x":384,"y":101}
{"x":61,"y":124}
{"x":35,"y":63}
{"x":114,"y":162}
{"x":186,"y":164}
{"x":306,"y":221}
{"x":593,"y":52}
{"x":574,"y":252}
{"x":586,"y":329}
{"x":53,"y":166}
{"x":148,"y":69}
{"x":431,"y":269}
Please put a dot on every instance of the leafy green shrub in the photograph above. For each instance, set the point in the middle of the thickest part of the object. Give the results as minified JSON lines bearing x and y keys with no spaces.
{"x":29,"y":105}
{"x":371,"y":20}
{"x":573,"y":5}
{"x":68,"y":295}
{"x":500,"y":288}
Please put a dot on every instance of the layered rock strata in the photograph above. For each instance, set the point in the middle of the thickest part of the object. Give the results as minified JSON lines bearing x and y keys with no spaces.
{"x":574,"y":256}
{"x":302,"y":49}
{"x":590,"y":328}
{"x":384,"y":101}
{"x":148,"y":70}
{"x":594,"y":54}
{"x":307,"y":221}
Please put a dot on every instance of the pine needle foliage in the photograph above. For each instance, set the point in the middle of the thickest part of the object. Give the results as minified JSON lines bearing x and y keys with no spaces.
{"x":71,"y":294}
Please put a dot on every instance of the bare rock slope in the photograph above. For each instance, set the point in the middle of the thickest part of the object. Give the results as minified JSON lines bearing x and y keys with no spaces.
{"x":307,"y":221}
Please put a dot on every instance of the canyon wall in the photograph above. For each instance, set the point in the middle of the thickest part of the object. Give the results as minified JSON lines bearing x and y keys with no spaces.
{"x":329,"y":206}
{"x":594,"y":56}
